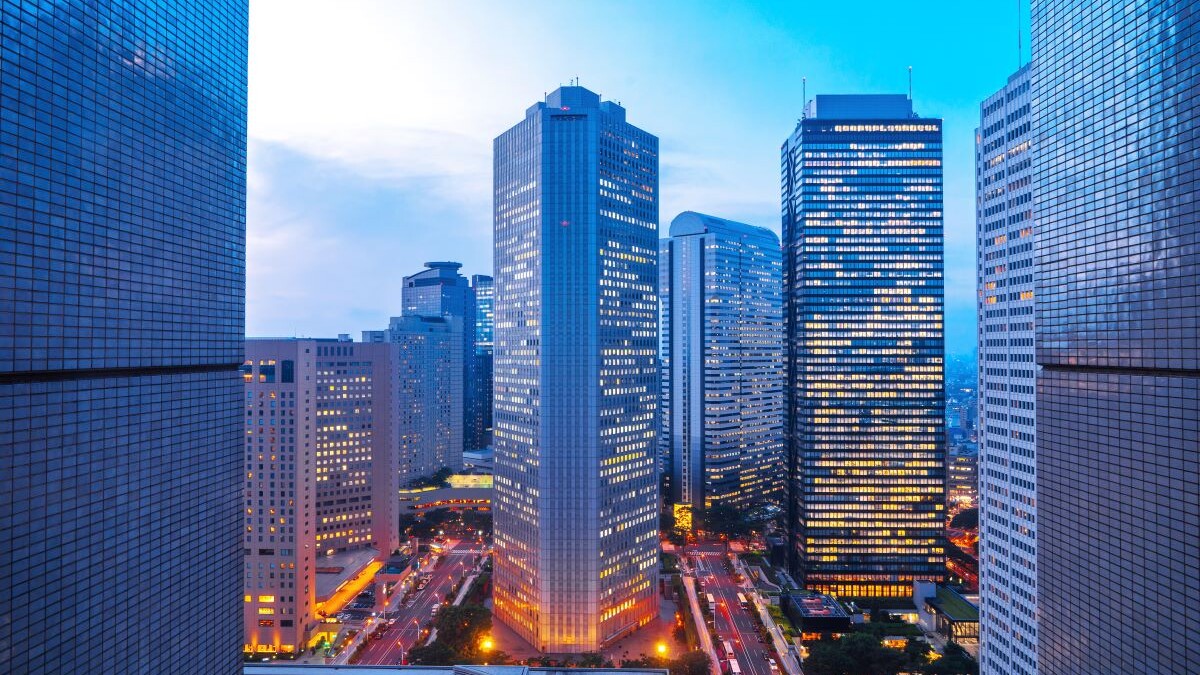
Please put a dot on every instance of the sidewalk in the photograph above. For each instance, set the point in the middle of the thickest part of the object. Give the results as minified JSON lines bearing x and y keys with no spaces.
{"x":787,"y":656}
{"x":701,"y":627}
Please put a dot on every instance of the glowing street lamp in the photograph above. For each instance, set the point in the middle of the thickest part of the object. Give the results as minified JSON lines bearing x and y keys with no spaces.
{"x":661,"y":648}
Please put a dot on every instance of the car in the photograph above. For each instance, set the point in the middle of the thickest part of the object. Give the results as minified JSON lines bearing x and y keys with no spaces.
{"x":771,"y":662}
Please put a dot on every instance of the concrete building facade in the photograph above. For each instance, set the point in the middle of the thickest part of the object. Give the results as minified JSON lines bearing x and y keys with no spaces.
{"x":1007,"y":464}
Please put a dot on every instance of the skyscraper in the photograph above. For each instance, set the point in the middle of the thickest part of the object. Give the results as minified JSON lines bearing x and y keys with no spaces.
{"x":1115,"y":109}
{"x":356,"y":392}
{"x":429,"y":373}
{"x":439,"y":290}
{"x":1006,"y":468}
{"x":122,"y":285}
{"x":863,"y":288}
{"x":481,"y":413}
{"x":280,"y":533}
{"x":576,"y":373}
{"x":721,"y":301}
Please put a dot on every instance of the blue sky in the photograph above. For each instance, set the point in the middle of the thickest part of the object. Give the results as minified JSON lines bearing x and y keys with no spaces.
{"x":371,"y":123}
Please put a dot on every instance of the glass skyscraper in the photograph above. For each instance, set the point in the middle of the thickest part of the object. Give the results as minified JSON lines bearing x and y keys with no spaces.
{"x":439,"y":290}
{"x":429,"y":374}
{"x":576,"y":374}
{"x":481,"y":410}
{"x":1007,"y":472}
{"x":1115,"y":111}
{"x":863,"y":295}
{"x":721,"y":301}
{"x":122,"y":286}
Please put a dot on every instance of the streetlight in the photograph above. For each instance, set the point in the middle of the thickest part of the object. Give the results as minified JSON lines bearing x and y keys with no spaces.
{"x":400,"y":642}
{"x":661,"y":648}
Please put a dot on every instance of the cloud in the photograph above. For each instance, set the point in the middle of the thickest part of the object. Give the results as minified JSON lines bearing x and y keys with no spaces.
{"x":327,"y":247}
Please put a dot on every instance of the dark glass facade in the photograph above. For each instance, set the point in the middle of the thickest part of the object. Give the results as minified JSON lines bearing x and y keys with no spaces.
{"x":1115,"y":112}
{"x":122,"y":270}
{"x":479,"y":435}
{"x":863,"y":294}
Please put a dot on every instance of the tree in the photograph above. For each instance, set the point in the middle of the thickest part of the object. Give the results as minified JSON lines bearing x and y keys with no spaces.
{"x":916,"y":654}
{"x":460,"y":633}
{"x":954,"y":661}
{"x":967,"y":519}
{"x":723,"y":519}
{"x":854,"y":654}
{"x":591,"y":660}
{"x":436,"y":654}
{"x":690,"y":663}
{"x":827,"y":658}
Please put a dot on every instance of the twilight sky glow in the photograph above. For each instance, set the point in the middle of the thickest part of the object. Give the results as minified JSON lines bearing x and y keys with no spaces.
{"x":371,"y":123}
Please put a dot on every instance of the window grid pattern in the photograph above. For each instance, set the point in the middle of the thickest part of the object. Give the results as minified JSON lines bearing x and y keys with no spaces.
{"x":863,"y":258}
{"x":122,"y":279}
{"x":1118,"y":334}
{"x":576,"y":374}
{"x":1007,"y":383}
{"x":722,"y":346}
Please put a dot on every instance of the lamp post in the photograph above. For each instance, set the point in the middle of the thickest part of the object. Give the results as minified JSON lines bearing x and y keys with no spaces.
{"x":404,"y":651}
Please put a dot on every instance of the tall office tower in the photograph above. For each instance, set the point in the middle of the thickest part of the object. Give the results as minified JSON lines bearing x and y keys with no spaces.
{"x":481,"y":415}
{"x":721,"y":298}
{"x":439,"y":290}
{"x":1117,"y":337}
{"x":122,"y":286}
{"x":356,"y":401}
{"x":429,"y":375}
{"x":280,"y":497}
{"x":862,"y":237}
{"x":576,"y":376}
{"x":1006,"y":468}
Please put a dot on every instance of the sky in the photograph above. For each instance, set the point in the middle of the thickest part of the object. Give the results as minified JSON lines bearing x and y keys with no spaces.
{"x":371,"y":123}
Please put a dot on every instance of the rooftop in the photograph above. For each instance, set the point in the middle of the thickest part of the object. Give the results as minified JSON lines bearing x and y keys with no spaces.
{"x":860,"y":107}
{"x":814,"y":606}
{"x":954,"y":606}
{"x":350,"y":564}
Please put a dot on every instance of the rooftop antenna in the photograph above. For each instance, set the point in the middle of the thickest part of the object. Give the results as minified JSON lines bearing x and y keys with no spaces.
{"x":910,"y":83}
{"x":803,"y":97}
{"x":1019,"y":34}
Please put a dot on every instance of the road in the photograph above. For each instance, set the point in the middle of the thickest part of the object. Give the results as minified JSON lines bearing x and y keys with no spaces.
{"x":412,"y":620}
{"x":734,"y":623}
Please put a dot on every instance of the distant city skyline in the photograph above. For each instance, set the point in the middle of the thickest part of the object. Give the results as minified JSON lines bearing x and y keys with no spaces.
{"x":351,"y":179}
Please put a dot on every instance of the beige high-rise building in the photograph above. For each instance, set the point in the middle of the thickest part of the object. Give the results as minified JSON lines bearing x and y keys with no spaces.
{"x":319,"y":416}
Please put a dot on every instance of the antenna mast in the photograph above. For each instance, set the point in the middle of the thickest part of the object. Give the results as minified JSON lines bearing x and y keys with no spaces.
{"x":910,"y":83}
{"x":1019,"y":56}
{"x":803,"y":97}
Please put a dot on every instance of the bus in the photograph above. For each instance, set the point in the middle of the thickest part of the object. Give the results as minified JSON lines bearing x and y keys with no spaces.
{"x":728,"y":647}
{"x":712,"y":603}
{"x":734,"y":668}
{"x":742,"y":601}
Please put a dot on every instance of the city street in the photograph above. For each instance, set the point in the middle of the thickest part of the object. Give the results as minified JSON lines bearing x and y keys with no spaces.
{"x":412,"y":621}
{"x":734,"y":623}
